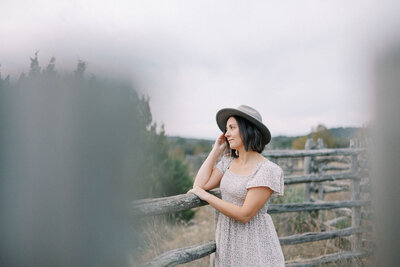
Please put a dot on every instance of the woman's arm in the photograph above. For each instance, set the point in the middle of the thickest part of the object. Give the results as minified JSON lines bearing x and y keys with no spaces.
{"x":214,"y":181}
{"x":255,"y":199}
{"x":204,"y":173}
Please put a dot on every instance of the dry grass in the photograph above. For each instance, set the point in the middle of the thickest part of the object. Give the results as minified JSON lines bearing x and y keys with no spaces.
{"x":160,"y":237}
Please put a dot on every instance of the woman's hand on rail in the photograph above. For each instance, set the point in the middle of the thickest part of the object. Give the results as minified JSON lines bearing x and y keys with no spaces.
{"x":220,"y":143}
{"x":198,"y":191}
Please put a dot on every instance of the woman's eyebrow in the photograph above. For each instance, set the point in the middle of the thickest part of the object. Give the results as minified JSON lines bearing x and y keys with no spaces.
{"x":229,"y":125}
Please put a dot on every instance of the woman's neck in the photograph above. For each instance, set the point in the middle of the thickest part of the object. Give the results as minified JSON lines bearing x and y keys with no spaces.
{"x":246,"y":157}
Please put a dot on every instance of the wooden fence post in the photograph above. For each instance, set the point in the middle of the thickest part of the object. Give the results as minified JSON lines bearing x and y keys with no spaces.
{"x":356,"y":211}
{"x":307,"y":169}
{"x":320,"y":145}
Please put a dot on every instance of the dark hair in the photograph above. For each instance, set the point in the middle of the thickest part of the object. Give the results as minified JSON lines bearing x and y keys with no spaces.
{"x":251,"y":136}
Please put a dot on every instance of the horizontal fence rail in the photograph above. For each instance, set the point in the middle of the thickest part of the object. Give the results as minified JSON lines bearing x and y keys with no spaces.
{"x":300,"y":179}
{"x":317,"y":236}
{"x":157,"y":206}
{"x":183,"y":255}
{"x":327,"y":259}
{"x":313,"y":153}
{"x":297,"y":207}
{"x":187,"y":201}
{"x":188,"y":254}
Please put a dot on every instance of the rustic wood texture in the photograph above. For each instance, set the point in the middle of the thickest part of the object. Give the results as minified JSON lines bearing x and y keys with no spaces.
{"x":326,"y":259}
{"x":337,"y":159}
{"x":321,"y":196}
{"x":183,"y":255}
{"x":313,"y":153}
{"x":187,"y":201}
{"x":330,"y":189}
{"x":297,"y":207}
{"x":163,"y":205}
{"x":307,"y":170}
{"x":356,"y":216}
{"x":316,"y":236}
{"x":299,"y":179}
{"x":326,"y":168}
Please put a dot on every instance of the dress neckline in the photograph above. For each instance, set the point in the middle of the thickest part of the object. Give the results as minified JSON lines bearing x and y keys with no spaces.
{"x":246,"y":175}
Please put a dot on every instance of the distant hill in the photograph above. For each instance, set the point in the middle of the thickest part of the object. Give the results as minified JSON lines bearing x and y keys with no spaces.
{"x":342,"y":138}
{"x":348,"y":132}
{"x":182,"y":147}
{"x":178,"y":139}
{"x":281,"y":142}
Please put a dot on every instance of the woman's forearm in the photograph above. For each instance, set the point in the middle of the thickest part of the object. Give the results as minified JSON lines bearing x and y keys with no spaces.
{"x":255,"y":200}
{"x":231,"y":210}
{"x":204,"y":173}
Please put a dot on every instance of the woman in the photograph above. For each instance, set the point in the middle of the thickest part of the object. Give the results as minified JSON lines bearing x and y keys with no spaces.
{"x":245,"y":233}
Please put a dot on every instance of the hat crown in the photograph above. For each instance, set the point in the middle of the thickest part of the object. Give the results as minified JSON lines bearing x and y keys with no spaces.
{"x":245,"y":112}
{"x":250,"y":111}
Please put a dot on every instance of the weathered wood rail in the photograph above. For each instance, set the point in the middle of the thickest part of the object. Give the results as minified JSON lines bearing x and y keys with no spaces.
{"x":183,"y":202}
{"x":184,"y":255}
{"x":158,"y":206}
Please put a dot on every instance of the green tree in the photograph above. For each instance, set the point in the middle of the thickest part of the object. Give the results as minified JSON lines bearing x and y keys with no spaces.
{"x":80,"y":68}
{"x":162,"y":173}
{"x":35,"y":68}
{"x":50,"y":69}
{"x":300,"y":142}
{"x":322,"y":132}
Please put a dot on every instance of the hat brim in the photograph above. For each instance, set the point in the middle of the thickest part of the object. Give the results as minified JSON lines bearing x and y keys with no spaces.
{"x":224,"y":114}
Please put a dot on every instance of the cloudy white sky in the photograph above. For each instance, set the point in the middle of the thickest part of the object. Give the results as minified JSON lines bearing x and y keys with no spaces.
{"x":299,"y":63}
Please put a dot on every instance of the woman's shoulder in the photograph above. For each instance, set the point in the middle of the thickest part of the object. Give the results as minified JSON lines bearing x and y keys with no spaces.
{"x":227,"y":157}
{"x":224,"y":162}
{"x":271,"y":166}
{"x":268,"y":174}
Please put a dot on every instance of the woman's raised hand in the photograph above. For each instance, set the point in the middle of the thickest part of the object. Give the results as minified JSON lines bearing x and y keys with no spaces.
{"x":220,"y":143}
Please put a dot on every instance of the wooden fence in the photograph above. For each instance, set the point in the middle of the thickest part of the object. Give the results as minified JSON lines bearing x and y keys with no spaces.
{"x":316,"y":159}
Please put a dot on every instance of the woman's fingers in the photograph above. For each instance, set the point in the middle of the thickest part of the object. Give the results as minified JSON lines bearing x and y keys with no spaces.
{"x":191,"y":191}
{"x":221,"y":139}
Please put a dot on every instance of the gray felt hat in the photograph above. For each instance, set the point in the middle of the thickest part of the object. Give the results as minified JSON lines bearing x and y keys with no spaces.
{"x":246,"y":112}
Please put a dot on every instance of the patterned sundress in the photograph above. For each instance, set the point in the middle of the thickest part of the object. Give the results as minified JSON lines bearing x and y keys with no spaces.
{"x":256,"y":242}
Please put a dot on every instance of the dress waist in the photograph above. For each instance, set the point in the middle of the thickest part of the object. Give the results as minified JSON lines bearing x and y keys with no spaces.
{"x":263,"y":210}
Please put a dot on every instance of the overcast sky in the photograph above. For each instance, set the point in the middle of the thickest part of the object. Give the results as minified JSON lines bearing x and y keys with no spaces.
{"x":299,"y":63}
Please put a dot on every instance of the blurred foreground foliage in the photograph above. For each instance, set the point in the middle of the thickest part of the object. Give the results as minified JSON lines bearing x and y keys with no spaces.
{"x":104,"y":127}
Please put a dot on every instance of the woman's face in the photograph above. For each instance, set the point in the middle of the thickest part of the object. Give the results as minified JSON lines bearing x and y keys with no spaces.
{"x":233,"y":134}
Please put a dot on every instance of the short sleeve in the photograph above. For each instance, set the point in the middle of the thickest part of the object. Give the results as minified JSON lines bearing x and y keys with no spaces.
{"x":224,"y":163}
{"x":268,"y":176}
